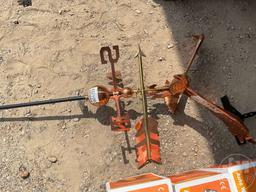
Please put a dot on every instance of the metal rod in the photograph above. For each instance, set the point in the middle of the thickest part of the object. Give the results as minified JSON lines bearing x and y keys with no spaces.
{"x":144,"y":101}
{"x":128,"y":142}
{"x":44,"y":102}
{"x":199,"y":43}
{"x":158,"y":89}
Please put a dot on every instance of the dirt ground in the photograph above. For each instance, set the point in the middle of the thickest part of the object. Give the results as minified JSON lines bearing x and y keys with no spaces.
{"x":51,"y":50}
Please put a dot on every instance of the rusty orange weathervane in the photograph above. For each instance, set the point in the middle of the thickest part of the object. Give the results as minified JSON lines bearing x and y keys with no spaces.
{"x":147,"y":135}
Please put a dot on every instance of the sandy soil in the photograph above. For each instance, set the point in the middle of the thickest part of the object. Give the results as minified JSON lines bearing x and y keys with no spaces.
{"x":51,"y":50}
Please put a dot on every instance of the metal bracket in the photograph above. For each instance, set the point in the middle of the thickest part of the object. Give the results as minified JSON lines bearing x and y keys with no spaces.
{"x":228,"y":107}
{"x":226,"y":104}
{"x":121,"y":123}
{"x":128,"y":149}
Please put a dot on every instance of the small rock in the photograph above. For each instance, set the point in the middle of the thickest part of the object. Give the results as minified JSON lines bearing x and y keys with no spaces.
{"x":28,"y":113}
{"x":52,"y":159}
{"x":23,"y":172}
{"x":138,"y":11}
{"x":76,"y":120}
{"x":16,"y":22}
{"x":154,"y":5}
{"x":170,"y":46}
{"x":160,"y":59}
{"x":145,"y":31}
{"x":184,"y":154}
{"x":62,"y":11}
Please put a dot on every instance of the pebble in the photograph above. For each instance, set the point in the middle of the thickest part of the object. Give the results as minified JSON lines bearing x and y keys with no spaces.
{"x":63,"y":11}
{"x":138,"y":11}
{"x":28,"y":113}
{"x":23,"y":172}
{"x":241,"y":36}
{"x":170,"y":46}
{"x":16,"y":22}
{"x":160,"y":59}
{"x":76,"y":120}
{"x":145,"y":31}
{"x":184,"y":154}
{"x":154,"y":5}
{"x":52,"y":159}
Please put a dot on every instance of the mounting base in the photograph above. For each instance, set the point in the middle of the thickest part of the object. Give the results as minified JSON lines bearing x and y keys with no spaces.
{"x":227,"y":106}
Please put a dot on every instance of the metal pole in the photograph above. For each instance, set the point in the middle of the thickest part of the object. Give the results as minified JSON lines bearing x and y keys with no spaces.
{"x":44,"y":102}
{"x":144,"y":101}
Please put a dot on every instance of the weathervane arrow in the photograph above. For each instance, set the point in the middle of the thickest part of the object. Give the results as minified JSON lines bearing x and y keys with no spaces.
{"x":140,"y":54}
{"x":147,"y":136}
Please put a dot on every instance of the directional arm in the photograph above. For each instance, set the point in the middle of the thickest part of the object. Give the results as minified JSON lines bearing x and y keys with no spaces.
{"x":43,"y":102}
{"x":147,"y":136}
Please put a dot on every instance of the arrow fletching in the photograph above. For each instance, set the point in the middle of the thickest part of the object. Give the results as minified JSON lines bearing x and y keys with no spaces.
{"x":147,"y":145}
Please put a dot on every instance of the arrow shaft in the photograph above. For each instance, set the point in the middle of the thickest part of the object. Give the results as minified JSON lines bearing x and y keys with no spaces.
{"x":144,"y":104}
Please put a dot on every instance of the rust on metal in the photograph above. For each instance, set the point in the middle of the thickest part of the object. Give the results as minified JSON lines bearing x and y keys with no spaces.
{"x":147,"y":147}
{"x":180,"y":82}
{"x":234,"y":124}
{"x":122,"y":121}
{"x":112,"y":60}
{"x":180,"y":85}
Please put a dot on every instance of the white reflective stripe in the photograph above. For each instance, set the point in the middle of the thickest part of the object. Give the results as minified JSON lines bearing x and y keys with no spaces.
{"x":93,"y":95}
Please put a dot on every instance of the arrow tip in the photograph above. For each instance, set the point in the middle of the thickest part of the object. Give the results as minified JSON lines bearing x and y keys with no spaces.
{"x":140,"y":52}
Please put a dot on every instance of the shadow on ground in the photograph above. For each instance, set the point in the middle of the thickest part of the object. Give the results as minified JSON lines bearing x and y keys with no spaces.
{"x":226,"y":65}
